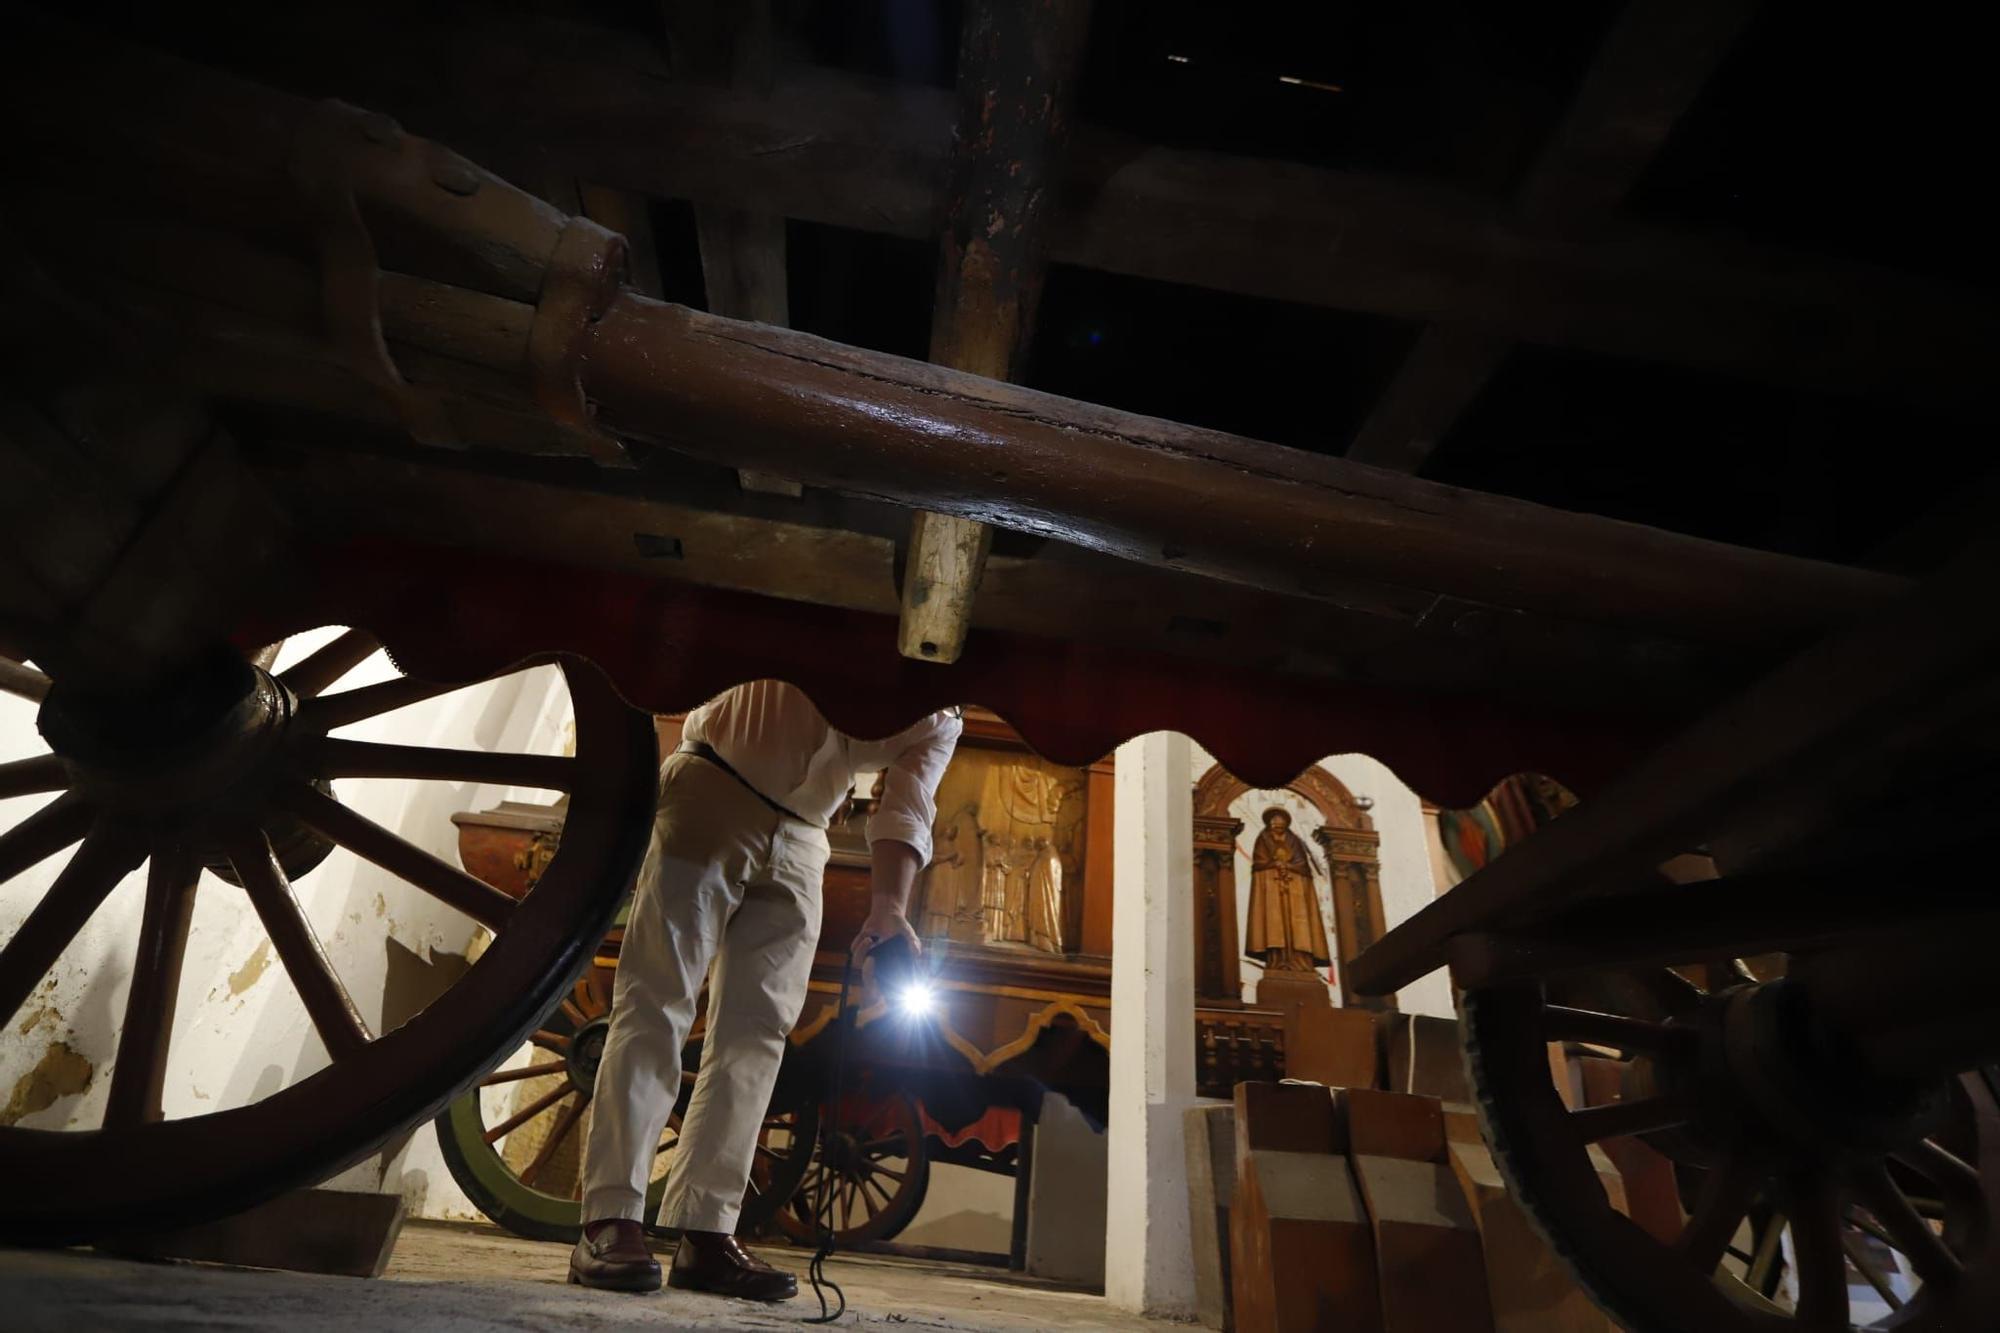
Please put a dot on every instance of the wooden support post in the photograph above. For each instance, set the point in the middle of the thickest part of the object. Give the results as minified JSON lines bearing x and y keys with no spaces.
{"x":1432,"y":1272}
{"x":1016,"y":65}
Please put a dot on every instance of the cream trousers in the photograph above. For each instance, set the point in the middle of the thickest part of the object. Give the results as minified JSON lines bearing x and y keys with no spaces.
{"x":727,"y":880}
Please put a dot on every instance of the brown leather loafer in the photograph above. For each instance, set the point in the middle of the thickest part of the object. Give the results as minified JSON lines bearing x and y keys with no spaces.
{"x":712,"y":1262}
{"x":612,"y":1255}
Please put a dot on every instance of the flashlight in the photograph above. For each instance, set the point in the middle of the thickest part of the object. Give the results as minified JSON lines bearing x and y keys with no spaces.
{"x":898,"y":977}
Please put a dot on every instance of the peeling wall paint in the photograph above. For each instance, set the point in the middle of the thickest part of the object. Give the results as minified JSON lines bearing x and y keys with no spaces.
{"x":246,"y":976}
{"x":61,"y":1072}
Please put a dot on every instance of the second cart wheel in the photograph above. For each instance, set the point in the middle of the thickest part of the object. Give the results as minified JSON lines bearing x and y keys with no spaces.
{"x":870,"y":1181}
{"x":1786,"y":1152}
{"x":234,"y":775}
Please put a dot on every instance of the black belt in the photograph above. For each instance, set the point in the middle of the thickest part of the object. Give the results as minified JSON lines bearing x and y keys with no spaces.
{"x":704,"y":751}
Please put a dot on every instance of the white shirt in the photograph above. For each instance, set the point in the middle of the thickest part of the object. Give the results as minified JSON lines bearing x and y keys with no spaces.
{"x":771,"y":734}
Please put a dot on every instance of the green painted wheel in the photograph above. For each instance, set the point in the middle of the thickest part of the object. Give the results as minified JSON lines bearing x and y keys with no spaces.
{"x":514,"y":1141}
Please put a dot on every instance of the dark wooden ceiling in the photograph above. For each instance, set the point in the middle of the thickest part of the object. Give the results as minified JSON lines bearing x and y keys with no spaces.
{"x":1712,"y":265}
{"x":1709,"y":265}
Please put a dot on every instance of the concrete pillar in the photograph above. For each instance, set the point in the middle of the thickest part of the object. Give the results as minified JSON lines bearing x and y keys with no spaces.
{"x":1148,"y":1255}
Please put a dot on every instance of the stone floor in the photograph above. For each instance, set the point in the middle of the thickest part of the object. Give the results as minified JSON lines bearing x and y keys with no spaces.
{"x":450,"y":1277}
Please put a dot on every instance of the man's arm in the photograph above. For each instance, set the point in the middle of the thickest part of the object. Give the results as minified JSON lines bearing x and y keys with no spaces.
{"x":892,"y":876}
{"x":899,"y":835}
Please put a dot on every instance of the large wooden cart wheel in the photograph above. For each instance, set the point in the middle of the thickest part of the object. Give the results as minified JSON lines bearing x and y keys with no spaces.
{"x":236,"y":777}
{"x":1786,"y":1148}
{"x":870,"y":1181}
{"x":514,"y":1140}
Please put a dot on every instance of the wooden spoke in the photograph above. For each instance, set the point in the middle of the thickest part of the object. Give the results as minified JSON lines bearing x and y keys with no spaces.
{"x":527,"y":1071}
{"x":1626,"y":1034}
{"x":574,"y":1012}
{"x":1620,"y":1119}
{"x":1942,"y":1167}
{"x":330,"y":663}
{"x":366,"y":759}
{"x":25,"y":777}
{"x":41,"y":835}
{"x":105,"y":858}
{"x":1725,"y":1198}
{"x":326,"y":1001}
{"x":528,"y":1112}
{"x":139,"y":1077}
{"x":349,"y":706}
{"x":564,"y":1124}
{"x":1822,"y":1275}
{"x":549,"y":1041}
{"x":370,"y":841}
{"x":1858,"y":1256}
{"x":1907,"y":1230}
{"x":1761,"y":1275}
{"x":22,"y":681}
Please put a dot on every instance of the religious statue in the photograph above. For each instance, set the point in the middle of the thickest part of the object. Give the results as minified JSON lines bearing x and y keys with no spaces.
{"x":1020,"y":894}
{"x":1045,"y":906}
{"x":1286,"y":931}
{"x":950,"y":883}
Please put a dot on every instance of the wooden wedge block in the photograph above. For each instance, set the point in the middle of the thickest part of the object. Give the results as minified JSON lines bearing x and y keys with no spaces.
{"x":306,"y":1231}
{"x":1211,"y":1166}
{"x":1428,"y":1259}
{"x":1530,"y":1289}
{"x":1337,"y":1047}
{"x":1301,"y":1253}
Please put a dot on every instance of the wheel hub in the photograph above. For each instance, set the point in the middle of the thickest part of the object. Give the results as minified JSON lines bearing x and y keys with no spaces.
{"x":586,"y":1052}
{"x":1765,"y":1073}
{"x":200,"y":753}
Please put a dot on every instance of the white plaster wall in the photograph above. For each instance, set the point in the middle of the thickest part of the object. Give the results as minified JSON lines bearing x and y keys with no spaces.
{"x":240,"y":1032}
{"x":964,"y":1209}
{"x":1407,"y":882}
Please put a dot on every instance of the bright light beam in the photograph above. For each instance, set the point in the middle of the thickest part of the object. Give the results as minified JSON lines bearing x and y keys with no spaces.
{"x":917,"y":1000}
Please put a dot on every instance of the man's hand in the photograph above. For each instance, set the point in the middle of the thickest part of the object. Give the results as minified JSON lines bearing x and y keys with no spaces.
{"x":885,"y":921}
{"x":894,"y":871}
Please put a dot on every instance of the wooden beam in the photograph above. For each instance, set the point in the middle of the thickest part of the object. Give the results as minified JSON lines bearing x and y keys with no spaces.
{"x":1017,"y":67}
{"x":869,"y":424}
{"x":851,"y":152}
{"x":1755,"y":774}
{"x":1656,"y":58}
{"x":1736,"y":916}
